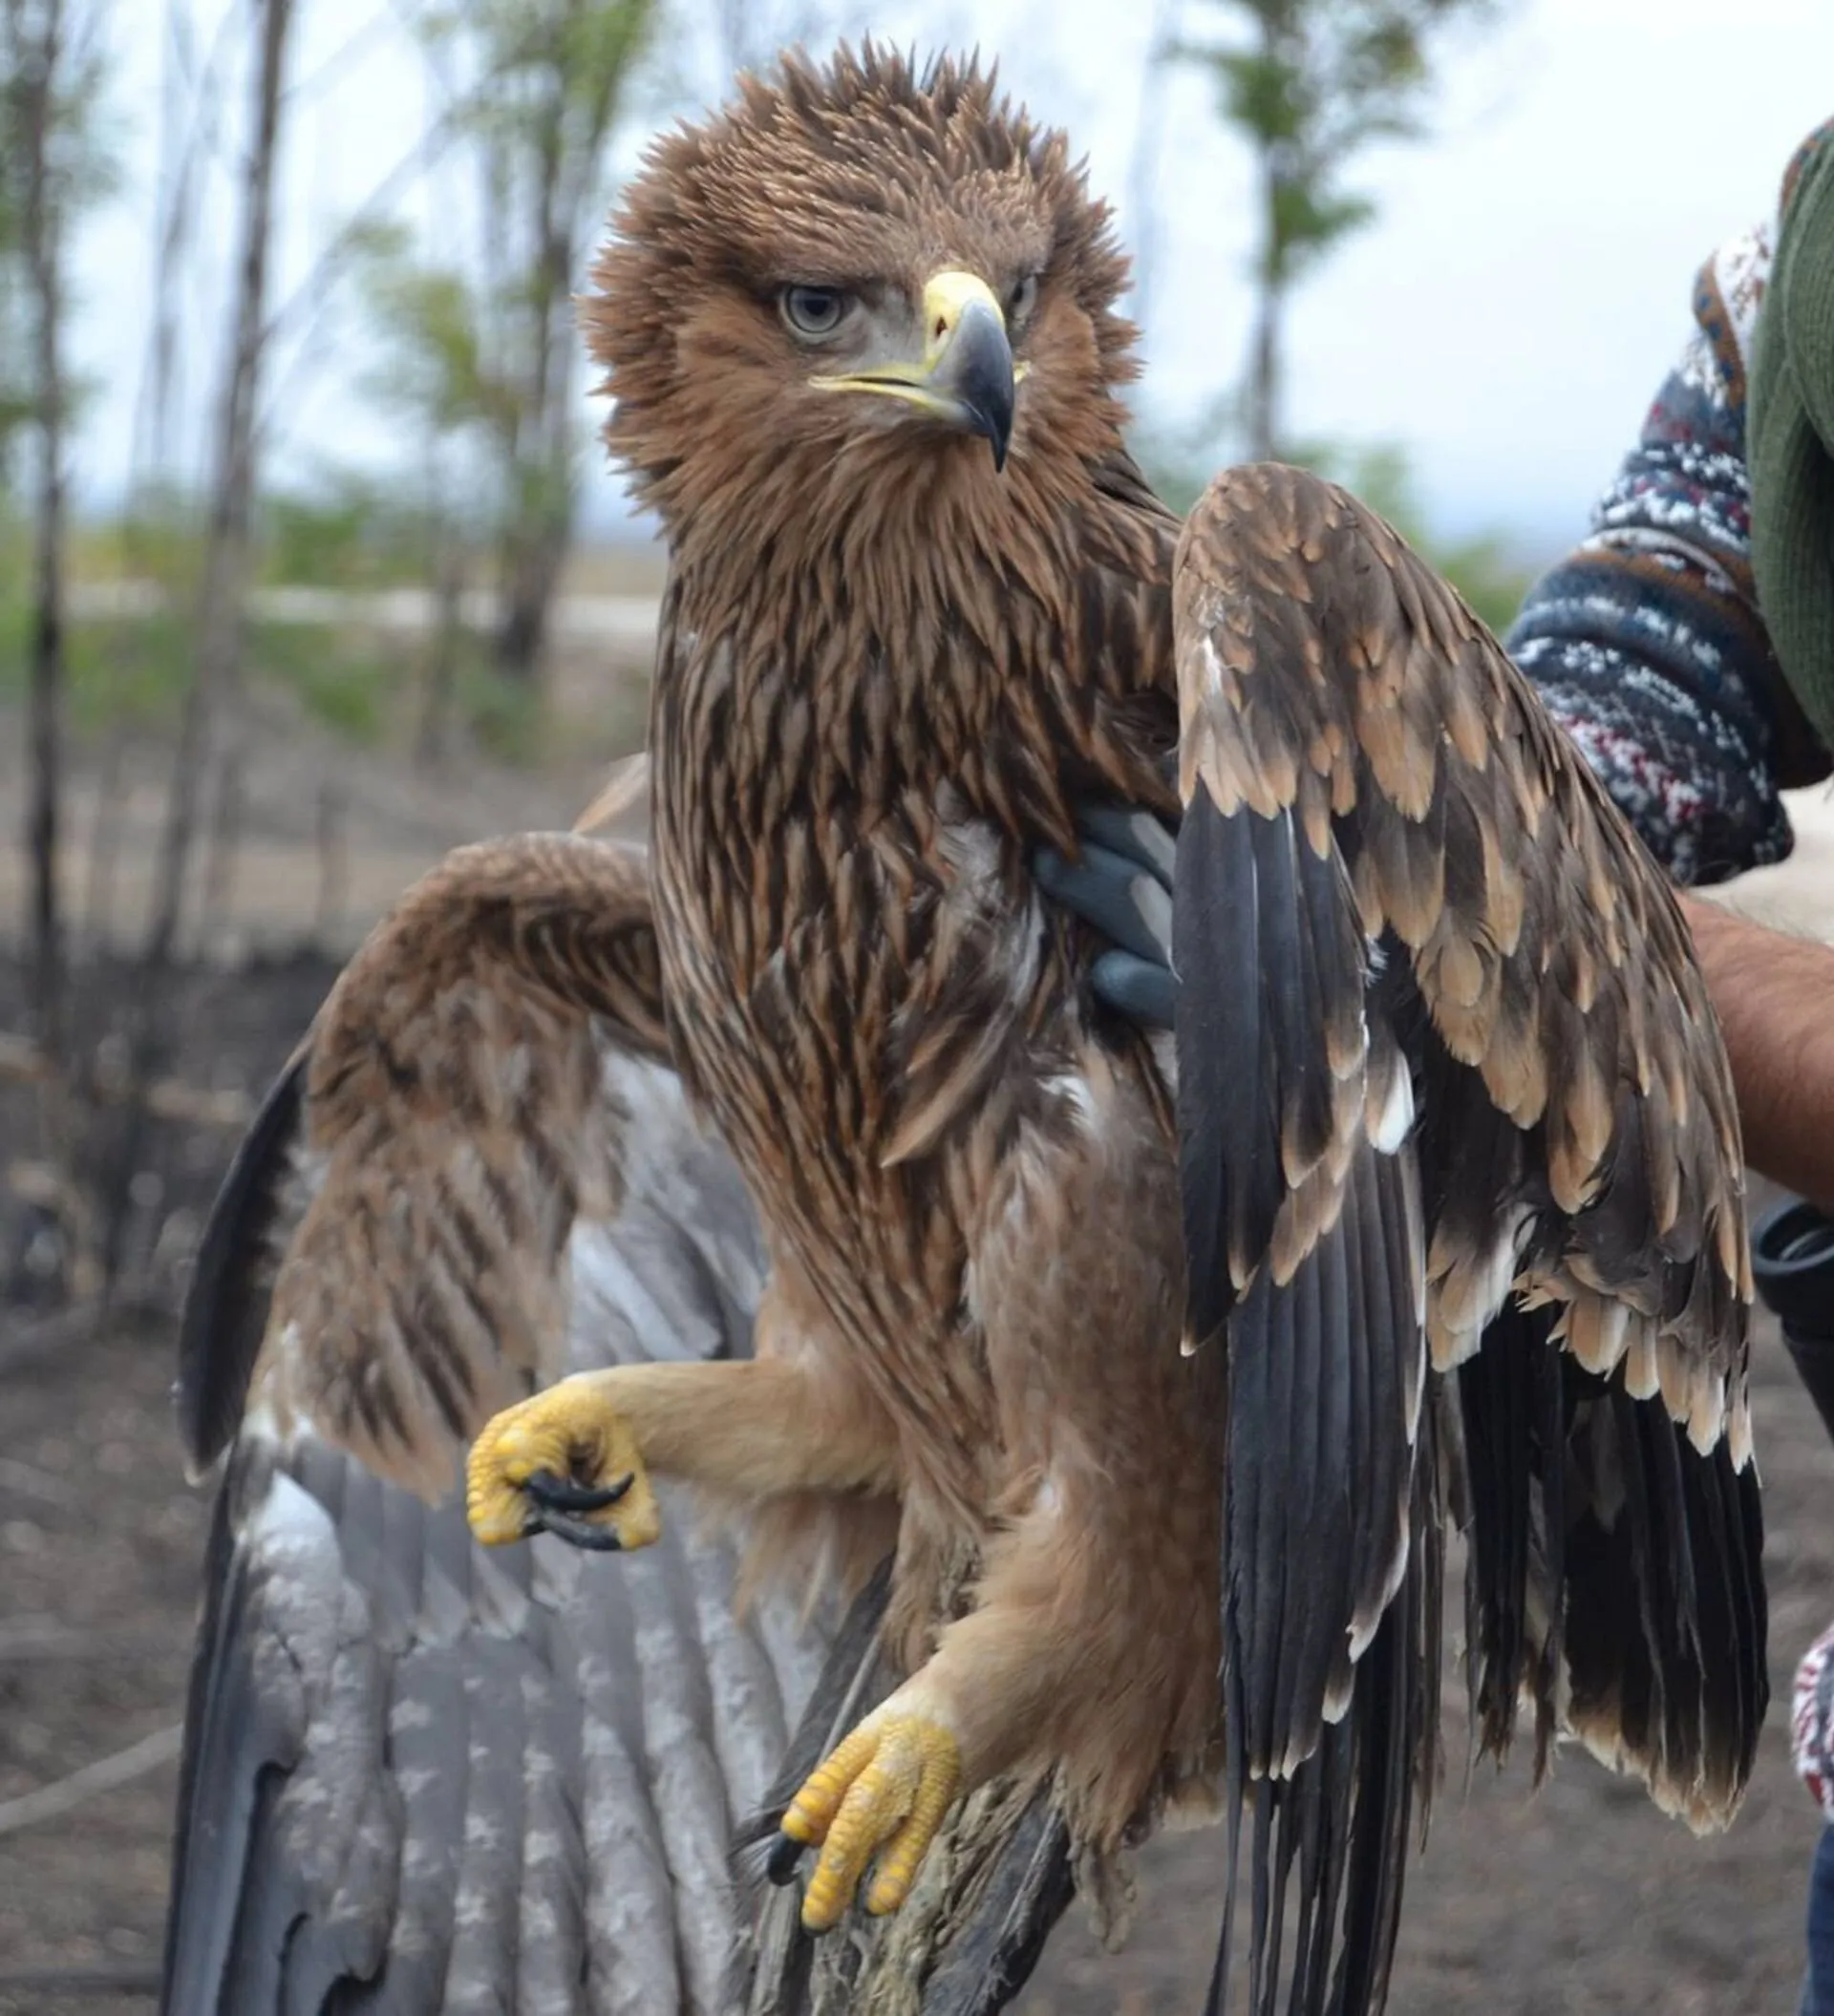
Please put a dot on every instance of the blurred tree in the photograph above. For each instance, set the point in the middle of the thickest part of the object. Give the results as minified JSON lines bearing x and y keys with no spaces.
{"x":221,"y":609}
{"x":435,"y":377}
{"x":52,"y":163}
{"x":1310,"y":85}
{"x":221,"y":616}
{"x":15,"y":341}
{"x":496,"y":344}
{"x":747,"y":34}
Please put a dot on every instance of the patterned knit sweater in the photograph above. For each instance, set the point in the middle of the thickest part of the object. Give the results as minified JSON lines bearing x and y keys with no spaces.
{"x":1646,"y":642}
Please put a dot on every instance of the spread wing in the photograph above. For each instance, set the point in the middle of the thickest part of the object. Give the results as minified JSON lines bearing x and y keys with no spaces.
{"x":435,"y":1777}
{"x":1451,"y":1095}
{"x":421,"y":1776}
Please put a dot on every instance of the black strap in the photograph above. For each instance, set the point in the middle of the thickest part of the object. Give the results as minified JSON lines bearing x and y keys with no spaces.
{"x":1792,"y":1265}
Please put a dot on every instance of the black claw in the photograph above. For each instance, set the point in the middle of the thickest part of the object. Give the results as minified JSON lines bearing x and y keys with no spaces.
{"x":576,"y":1533}
{"x":779,"y":1865}
{"x":554,"y":1494}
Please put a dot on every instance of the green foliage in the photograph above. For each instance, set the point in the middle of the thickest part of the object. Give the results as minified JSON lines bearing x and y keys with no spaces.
{"x":130,"y":674}
{"x":1180,"y":460}
{"x":430,"y":323}
{"x":505,"y":714}
{"x":119,"y":672}
{"x":159,"y":537}
{"x":131,"y":671}
{"x":53,"y":132}
{"x":348,"y":532}
{"x":481,"y":354}
{"x":1311,"y":85}
{"x":346,"y":681}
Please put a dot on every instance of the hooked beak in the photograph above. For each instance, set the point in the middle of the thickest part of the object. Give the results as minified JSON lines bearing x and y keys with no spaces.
{"x":966,"y":378}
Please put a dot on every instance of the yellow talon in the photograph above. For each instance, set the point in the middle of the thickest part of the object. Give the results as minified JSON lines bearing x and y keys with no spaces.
{"x":885,"y":1790}
{"x":565,"y":1461}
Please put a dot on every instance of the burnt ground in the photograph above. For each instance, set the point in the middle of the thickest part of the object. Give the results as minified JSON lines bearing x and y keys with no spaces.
{"x":100,"y":1537}
{"x":1581,"y":1898}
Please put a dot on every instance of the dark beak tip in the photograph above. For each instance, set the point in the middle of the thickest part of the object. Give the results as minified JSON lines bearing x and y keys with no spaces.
{"x":985,"y":381}
{"x":993,"y":412}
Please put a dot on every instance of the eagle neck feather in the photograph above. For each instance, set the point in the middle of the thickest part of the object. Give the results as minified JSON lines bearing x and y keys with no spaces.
{"x":1006,"y":643}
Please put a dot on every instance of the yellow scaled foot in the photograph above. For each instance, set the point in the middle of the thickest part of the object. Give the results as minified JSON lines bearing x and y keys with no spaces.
{"x":565,"y":1462}
{"x":885,"y":1788}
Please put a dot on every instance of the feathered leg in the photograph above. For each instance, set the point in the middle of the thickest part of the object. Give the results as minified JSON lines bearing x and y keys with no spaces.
{"x":576,"y":1458}
{"x":1093,"y":1630}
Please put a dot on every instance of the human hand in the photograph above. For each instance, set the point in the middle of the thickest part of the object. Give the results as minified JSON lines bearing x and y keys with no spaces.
{"x":1122,"y":886}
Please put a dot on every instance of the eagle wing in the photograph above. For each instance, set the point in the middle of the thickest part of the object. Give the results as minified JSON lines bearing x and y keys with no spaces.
{"x":418,"y":1775}
{"x":1463,"y":1193}
{"x":423,"y":1777}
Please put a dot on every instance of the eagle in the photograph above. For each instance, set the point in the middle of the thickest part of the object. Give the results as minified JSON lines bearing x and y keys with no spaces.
{"x":1135,"y":1380}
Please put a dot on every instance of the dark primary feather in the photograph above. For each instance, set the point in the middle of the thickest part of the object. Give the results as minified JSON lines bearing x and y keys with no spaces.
{"x":1397,"y":887}
{"x":225,"y":1310}
{"x":1613,"y":1579}
{"x":1327,"y":1359}
{"x":1326,"y":1351}
{"x":1325,"y":671}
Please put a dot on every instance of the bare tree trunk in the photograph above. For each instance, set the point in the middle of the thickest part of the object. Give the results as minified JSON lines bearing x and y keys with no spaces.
{"x":41,"y":234}
{"x":1261,"y":407}
{"x":38,"y":55}
{"x":1264,"y":375}
{"x":104,"y":845}
{"x":220,"y":608}
{"x":535,"y":546}
{"x":537,"y":555}
{"x":441,"y":684}
{"x":1261,"y":414}
{"x":181,"y":157}
{"x":1143,"y":165}
{"x":219,"y":856}
{"x":330,"y":835}
{"x":226,"y":566}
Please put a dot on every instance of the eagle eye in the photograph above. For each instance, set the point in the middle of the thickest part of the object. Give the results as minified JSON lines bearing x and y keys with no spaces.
{"x":813,"y":312}
{"x":1021,"y":301}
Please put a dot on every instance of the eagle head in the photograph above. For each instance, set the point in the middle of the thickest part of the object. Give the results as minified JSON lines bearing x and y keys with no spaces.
{"x":848,"y":285}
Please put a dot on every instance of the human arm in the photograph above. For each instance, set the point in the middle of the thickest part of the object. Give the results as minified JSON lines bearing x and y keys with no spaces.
{"x":1773,"y":996}
{"x":1645,"y":642}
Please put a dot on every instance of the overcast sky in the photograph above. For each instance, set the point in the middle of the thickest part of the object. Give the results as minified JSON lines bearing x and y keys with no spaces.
{"x":1507,"y":319}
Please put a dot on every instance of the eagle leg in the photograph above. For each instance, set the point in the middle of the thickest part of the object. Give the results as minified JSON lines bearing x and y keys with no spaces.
{"x":1102,"y":1557}
{"x":885,"y":1790}
{"x":576,"y":1460}
{"x":566,"y":1461}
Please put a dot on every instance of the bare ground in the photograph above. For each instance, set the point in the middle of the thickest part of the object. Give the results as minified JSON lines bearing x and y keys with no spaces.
{"x":1581,"y":1898}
